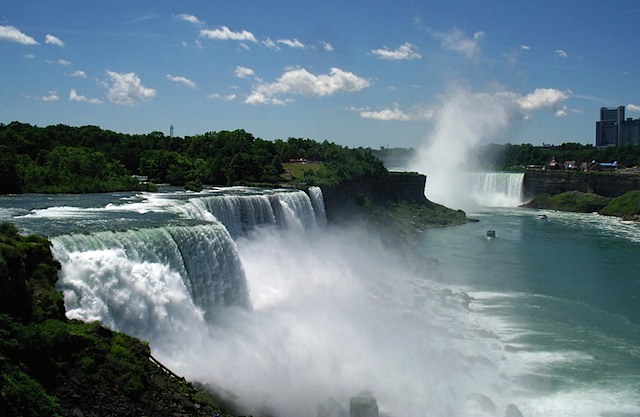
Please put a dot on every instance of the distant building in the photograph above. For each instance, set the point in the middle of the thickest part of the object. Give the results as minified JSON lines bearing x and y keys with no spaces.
{"x":614,"y":130}
{"x":171,"y":131}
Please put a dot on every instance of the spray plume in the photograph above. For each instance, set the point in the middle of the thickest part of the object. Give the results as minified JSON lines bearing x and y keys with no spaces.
{"x":463,"y":121}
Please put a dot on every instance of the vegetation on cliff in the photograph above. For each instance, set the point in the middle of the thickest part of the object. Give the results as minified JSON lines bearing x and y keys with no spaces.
{"x":626,"y":206}
{"x":51,"y":366}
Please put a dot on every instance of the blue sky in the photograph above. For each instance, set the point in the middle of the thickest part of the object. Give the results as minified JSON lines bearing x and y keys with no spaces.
{"x":358,"y":73}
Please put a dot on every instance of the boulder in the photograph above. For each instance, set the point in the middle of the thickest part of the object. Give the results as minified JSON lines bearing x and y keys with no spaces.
{"x":363,"y":406}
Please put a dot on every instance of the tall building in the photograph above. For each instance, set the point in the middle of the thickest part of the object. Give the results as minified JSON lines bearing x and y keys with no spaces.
{"x":171,"y":131}
{"x":614,"y":130}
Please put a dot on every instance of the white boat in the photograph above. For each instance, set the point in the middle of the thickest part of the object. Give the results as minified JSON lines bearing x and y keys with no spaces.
{"x":542,"y":217}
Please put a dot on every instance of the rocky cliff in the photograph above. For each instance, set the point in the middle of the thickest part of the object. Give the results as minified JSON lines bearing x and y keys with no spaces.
{"x":608,"y":184}
{"x":395,"y":204}
{"x":347,"y":199}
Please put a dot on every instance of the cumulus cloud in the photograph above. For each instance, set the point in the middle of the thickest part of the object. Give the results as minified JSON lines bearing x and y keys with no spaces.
{"x":10,"y":33}
{"x":456,"y":40}
{"x":633,"y":108}
{"x":127,"y":89}
{"x":52,"y":40}
{"x":404,"y":52}
{"x":300,"y":81}
{"x":396,"y":114}
{"x":189,"y":18}
{"x":78,"y":74}
{"x":74,"y":96}
{"x":243,"y":72}
{"x":181,"y":80}
{"x":560,"y":53}
{"x":544,"y":99}
{"x":292,"y":43}
{"x":224,"y":34}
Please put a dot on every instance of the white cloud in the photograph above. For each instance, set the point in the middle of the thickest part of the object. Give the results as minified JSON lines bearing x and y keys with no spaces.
{"x":181,"y":80}
{"x":74,"y":96}
{"x":300,"y":81}
{"x":396,"y":114}
{"x":404,"y":52}
{"x":189,"y":18}
{"x":78,"y":74}
{"x":28,"y":56}
{"x":560,"y":53}
{"x":243,"y":72}
{"x":58,"y":62}
{"x":543,"y":99}
{"x":10,"y":33}
{"x":292,"y":43}
{"x":525,"y":47}
{"x":633,"y":108}
{"x":127,"y":89}
{"x":455,"y":40}
{"x":224,"y":33}
{"x":53,"y":96}
{"x":270,"y":44}
{"x":228,"y":97}
{"x":326,"y":46}
{"x":52,"y":40}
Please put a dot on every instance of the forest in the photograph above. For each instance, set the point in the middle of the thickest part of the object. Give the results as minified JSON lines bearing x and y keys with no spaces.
{"x":65,"y":159}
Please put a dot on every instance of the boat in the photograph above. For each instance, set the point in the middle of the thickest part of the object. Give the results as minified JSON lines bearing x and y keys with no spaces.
{"x":542,"y":217}
{"x":491,"y":233}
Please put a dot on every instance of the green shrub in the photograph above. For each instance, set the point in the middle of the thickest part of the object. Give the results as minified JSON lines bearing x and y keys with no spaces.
{"x":24,"y":396}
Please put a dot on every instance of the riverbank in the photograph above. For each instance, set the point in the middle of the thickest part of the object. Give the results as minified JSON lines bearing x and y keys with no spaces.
{"x":627,"y":206}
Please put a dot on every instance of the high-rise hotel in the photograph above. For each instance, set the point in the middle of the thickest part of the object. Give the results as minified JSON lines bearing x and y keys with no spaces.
{"x":614,"y":130}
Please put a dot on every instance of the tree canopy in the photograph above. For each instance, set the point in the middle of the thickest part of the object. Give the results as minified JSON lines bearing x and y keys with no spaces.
{"x":61,"y":158}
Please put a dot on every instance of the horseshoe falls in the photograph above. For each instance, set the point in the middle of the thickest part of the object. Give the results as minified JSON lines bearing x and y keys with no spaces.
{"x":251,"y":293}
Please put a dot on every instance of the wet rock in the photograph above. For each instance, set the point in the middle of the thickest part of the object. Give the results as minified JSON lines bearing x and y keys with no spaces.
{"x":485,"y":404}
{"x":363,"y":406}
{"x":512,"y":411}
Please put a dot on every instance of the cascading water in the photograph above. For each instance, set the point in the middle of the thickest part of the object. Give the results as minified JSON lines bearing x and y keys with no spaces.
{"x":497,"y":189}
{"x":240,"y":213}
{"x":147,"y":281}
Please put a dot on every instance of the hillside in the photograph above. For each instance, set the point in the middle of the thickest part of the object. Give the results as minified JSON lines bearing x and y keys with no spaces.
{"x":51,"y":366}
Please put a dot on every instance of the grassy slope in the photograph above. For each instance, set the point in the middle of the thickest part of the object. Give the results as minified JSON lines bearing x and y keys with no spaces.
{"x":626,"y":206}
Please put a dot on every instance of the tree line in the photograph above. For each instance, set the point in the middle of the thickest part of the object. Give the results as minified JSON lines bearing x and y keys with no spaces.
{"x":509,"y":157}
{"x":61,"y":158}
{"x":506,"y":157}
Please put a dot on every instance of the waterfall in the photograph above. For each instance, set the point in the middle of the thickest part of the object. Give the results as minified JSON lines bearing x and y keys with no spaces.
{"x":161,"y":279}
{"x":497,"y":189}
{"x":243,"y":212}
{"x":149,"y":281}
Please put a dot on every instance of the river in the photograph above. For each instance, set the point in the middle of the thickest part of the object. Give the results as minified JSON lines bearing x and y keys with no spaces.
{"x":251,"y":293}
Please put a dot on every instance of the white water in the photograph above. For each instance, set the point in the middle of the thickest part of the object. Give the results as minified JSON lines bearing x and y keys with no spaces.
{"x":292,"y":313}
{"x":287,"y":315}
